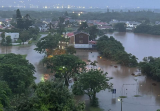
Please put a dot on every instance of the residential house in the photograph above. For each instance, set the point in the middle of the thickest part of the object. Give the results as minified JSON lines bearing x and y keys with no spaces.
{"x":132,"y":24}
{"x":14,"y":36}
{"x":79,"y":39}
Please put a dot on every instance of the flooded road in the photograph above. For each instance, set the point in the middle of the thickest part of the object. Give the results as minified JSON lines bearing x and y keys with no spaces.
{"x":123,"y":81}
{"x":126,"y":85}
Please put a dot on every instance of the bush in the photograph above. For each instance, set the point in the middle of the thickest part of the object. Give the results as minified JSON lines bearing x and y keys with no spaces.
{"x":30,"y":42}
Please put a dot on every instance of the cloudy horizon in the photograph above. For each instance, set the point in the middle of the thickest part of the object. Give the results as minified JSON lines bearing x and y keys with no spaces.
{"x":83,"y":3}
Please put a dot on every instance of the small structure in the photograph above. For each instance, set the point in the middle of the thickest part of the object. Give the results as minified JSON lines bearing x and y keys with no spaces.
{"x":14,"y":36}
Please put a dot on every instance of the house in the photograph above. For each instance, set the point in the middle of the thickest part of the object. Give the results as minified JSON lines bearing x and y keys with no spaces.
{"x":104,"y":27}
{"x":14,"y":36}
{"x":132,"y":24}
{"x":157,"y":23}
{"x":79,"y":39}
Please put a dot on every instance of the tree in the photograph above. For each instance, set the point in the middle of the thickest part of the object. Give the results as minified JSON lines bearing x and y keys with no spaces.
{"x":17,"y":72}
{"x":49,"y":96}
{"x":49,"y":42}
{"x":151,"y":67}
{"x":8,"y":40}
{"x":92,"y":82}
{"x":20,"y":22}
{"x":121,"y":27}
{"x":3,"y":38}
{"x":18,"y":14}
{"x":113,"y":49}
{"x":65,"y":66}
{"x":24,"y":36}
{"x":70,"y":50}
{"x":83,"y":26}
{"x":66,"y":13}
{"x":5,"y":93}
{"x":93,"y":32}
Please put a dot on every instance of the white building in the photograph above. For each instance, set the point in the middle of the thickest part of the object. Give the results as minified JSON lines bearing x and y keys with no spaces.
{"x":14,"y":36}
{"x":132,"y":24}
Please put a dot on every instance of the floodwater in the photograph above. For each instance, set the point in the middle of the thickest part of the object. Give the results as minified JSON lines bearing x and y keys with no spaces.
{"x":126,"y":85}
{"x":32,"y":56}
{"x":140,"y":45}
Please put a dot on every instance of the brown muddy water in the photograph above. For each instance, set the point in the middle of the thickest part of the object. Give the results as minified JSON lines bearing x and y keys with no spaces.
{"x":124,"y":82}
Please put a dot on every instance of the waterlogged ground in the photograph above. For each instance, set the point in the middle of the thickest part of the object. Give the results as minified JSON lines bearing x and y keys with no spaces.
{"x":126,"y":85}
{"x":123,"y":81}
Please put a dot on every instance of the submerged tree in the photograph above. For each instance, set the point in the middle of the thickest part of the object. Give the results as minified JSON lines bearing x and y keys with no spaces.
{"x":91,"y":83}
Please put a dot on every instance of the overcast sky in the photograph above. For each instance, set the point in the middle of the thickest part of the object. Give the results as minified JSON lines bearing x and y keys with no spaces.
{"x":87,"y":3}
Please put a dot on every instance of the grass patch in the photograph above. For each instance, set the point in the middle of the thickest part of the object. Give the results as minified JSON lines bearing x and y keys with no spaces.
{"x":137,"y":96}
{"x":122,"y":96}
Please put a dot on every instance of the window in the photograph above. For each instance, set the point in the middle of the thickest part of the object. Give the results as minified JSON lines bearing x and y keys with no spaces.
{"x":80,"y":41}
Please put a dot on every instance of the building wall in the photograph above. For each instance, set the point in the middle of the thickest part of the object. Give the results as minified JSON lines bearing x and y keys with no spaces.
{"x":72,"y":40}
{"x":81,"y":38}
{"x":14,"y":36}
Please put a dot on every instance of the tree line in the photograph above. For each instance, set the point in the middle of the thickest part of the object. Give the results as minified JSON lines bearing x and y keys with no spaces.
{"x":113,"y":49}
{"x":148,"y":29}
{"x":151,"y":67}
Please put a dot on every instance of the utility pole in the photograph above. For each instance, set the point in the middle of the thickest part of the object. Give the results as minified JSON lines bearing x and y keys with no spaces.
{"x":121,"y":104}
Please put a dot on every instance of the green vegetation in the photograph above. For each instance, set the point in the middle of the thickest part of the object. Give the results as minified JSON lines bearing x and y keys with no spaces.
{"x":140,"y":16}
{"x":113,"y":49}
{"x":48,"y":96}
{"x":121,"y":27}
{"x":151,"y":67}
{"x":137,"y":96}
{"x":83,"y":26}
{"x":90,"y":83}
{"x":65,"y":66}
{"x":93,"y":31}
{"x":23,"y":23}
{"x":122,"y":96}
{"x":5,"y":93}
{"x":148,"y":29}
{"x":71,"y":50}
{"x":49,"y":42}
{"x":14,"y":68}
